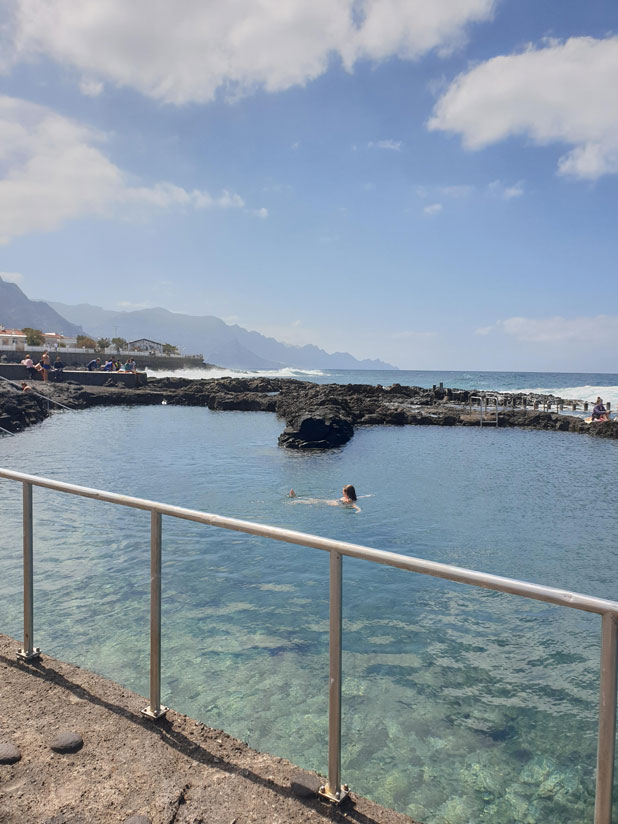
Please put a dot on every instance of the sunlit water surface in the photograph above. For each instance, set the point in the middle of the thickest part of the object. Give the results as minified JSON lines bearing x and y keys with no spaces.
{"x":460,"y":705}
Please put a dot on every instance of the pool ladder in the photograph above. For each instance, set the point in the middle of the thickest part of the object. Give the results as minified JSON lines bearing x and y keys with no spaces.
{"x":484,"y":402}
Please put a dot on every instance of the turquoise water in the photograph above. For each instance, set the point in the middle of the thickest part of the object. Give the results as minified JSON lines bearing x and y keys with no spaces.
{"x":460,"y":705}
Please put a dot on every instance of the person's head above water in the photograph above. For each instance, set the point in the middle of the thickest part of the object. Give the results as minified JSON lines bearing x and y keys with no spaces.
{"x":349,"y":492}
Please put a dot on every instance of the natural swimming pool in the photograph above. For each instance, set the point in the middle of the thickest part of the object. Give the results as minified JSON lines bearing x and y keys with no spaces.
{"x":460,"y":705}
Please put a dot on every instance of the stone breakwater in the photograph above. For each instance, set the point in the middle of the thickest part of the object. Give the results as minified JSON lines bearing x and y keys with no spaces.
{"x":316,"y":416}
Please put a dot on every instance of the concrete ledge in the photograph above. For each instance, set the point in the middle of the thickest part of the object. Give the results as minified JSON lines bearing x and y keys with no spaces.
{"x":174,"y":770}
{"x":130,"y":380}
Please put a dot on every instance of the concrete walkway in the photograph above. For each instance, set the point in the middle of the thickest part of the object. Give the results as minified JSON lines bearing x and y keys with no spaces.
{"x":129,"y":769}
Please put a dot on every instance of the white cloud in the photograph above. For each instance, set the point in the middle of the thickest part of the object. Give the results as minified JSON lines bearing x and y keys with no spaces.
{"x":389,"y":145}
{"x":457,"y":191}
{"x":52,"y":170}
{"x":600,"y":330}
{"x":90,"y":87}
{"x":433,"y":209}
{"x":261,"y":213}
{"x":12,"y":277}
{"x":561,"y":93}
{"x":498,"y":188}
{"x":188,"y":50}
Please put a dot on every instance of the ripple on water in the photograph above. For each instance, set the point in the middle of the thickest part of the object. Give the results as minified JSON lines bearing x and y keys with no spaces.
{"x":460,"y":705}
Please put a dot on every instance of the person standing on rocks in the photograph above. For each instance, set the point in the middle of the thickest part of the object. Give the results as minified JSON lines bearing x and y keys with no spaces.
{"x":29,"y":364}
{"x":45,"y":365}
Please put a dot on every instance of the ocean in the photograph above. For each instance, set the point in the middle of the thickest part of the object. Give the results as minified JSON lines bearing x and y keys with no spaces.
{"x":459,"y":705}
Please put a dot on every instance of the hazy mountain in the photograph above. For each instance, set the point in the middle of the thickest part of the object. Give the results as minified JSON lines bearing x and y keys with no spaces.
{"x":17,"y":311}
{"x":217,"y":341}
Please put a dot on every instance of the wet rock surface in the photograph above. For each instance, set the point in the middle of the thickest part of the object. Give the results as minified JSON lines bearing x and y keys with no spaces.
{"x":315,"y":416}
{"x":173,"y":771}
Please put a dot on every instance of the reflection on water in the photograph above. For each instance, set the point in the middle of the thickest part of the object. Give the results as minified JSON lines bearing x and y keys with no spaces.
{"x":460,"y":705}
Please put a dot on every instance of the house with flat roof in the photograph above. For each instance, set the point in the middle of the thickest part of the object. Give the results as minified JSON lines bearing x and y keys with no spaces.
{"x":12,"y":337}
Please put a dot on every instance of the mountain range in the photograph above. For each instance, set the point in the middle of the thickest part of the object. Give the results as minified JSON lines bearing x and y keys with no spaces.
{"x":220,"y":343}
{"x":17,"y":311}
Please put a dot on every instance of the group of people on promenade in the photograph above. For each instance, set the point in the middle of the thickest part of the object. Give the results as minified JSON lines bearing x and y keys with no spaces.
{"x":44,"y":368}
{"x":112,"y":365}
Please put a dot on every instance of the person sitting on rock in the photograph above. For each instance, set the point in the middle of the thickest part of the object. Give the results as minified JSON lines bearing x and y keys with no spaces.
{"x":25,"y":387}
{"x":600,"y":413}
{"x":58,"y":369}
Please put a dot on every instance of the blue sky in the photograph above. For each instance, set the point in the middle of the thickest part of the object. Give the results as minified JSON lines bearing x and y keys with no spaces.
{"x":434,"y":184}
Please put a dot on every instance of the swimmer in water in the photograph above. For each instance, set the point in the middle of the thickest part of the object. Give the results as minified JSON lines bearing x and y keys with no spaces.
{"x":348,"y":498}
{"x":349,"y":495}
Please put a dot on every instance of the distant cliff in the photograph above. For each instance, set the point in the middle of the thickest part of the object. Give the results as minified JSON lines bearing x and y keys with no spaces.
{"x":218,"y":342}
{"x":17,"y":311}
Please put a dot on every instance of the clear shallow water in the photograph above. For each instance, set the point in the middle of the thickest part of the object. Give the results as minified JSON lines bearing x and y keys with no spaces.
{"x":460,"y":705}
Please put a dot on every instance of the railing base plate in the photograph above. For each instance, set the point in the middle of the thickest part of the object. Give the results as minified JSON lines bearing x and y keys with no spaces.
{"x":336,"y":798}
{"x":154,"y":716}
{"x":24,"y":655}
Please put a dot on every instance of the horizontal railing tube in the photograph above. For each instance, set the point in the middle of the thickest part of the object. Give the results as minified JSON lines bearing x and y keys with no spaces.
{"x":537,"y":592}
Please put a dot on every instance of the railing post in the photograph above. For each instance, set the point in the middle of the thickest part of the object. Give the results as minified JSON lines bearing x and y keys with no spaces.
{"x":28,"y":652}
{"x":607,"y":722}
{"x":333,"y":789}
{"x":154,"y":710}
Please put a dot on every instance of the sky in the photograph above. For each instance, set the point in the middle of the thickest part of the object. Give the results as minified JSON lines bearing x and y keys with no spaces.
{"x":432,"y":184}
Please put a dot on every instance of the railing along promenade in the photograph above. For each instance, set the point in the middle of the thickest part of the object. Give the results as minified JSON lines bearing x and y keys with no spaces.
{"x":333,"y":789}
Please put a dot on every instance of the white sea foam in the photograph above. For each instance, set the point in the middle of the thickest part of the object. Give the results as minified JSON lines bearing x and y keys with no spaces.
{"x":584,"y":393}
{"x":197,"y":374}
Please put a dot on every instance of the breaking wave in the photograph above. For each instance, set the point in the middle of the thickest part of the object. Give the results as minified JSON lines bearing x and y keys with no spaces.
{"x":584,"y":393}
{"x":221,"y":372}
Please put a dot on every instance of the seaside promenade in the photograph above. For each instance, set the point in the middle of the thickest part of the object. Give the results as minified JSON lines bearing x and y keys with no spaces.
{"x":132,"y":770}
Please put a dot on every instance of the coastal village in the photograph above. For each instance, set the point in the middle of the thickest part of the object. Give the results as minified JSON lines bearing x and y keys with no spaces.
{"x":35,"y":340}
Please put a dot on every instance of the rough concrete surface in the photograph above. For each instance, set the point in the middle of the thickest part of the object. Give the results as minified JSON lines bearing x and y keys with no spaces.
{"x":176,"y":770}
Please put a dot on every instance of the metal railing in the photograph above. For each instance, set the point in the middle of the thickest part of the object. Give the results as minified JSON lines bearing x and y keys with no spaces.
{"x":333,"y":789}
{"x":485,"y":400}
{"x":32,"y":391}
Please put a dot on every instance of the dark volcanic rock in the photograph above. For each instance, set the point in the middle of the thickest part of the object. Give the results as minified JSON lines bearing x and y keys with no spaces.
{"x":321,"y":429}
{"x":19,"y":410}
{"x":66,"y":742}
{"x":317,"y":416}
{"x":9,"y":754}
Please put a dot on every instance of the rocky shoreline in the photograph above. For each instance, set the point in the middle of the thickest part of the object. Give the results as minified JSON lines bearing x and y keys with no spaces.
{"x":316,"y":416}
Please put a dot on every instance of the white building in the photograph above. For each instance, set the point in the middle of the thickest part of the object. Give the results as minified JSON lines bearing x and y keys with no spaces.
{"x":145,"y":345}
